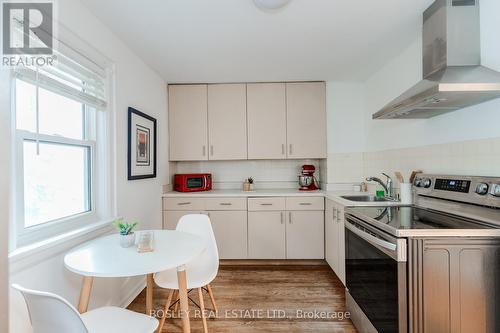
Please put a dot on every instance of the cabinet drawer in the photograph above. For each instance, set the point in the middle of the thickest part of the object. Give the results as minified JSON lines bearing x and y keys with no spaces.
{"x":266,"y":204}
{"x":183,"y":204}
{"x":305,"y":203}
{"x":226,"y":203}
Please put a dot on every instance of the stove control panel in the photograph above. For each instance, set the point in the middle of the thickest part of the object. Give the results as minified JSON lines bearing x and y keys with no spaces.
{"x":482,"y":191}
{"x":453,"y":185}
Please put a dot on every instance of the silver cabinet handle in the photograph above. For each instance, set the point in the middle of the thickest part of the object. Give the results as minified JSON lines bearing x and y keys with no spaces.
{"x":266,"y":204}
{"x":290,"y":150}
{"x":334,"y":215}
{"x":183,"y":203}
{"x":290,"y":217}
{"x":282,"y":217}
{"x":211,"y":150}
{"x":282,"y":149}
{"x":305,"y":204}
{"x":226,"y":204}
{"x":204,"y":150}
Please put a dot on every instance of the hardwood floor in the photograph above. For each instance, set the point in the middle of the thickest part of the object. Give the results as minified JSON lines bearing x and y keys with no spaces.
{"x":247,"y":295}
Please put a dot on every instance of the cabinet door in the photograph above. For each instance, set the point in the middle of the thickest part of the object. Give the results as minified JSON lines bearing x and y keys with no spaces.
{"x":340,"y":233}
{"x":331,"y":244}
{"x":306,"y":120}
{"x":227,"y":121}
{"x":230,"y":229}
{"x":266,"y":235}
{"x":187,"y":109}
{"x":305,"y":235}
{"x":266,"y":112}
{"x":171,"y":217}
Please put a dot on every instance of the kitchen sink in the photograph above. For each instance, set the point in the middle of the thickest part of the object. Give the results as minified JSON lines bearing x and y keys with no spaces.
{"x":365,"y":198}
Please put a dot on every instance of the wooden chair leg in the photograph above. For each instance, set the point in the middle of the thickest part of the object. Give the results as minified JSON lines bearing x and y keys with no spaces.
{"x":202,"y":308}
{"x":176,"y":299}
{"x":167,"y":307}
{"x":209,"y":288}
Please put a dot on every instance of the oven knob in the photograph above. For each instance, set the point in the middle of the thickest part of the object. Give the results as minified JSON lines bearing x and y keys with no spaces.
{"x":417,"y":182}
{"x":495,"y":190}
{"x":482,"y":188}
{"x":426,"y":182}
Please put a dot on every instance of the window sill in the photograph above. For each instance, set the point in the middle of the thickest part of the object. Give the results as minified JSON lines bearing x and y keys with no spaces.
{"x":32,"y":254}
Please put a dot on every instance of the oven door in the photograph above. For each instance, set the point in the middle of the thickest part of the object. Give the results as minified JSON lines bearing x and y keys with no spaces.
{"x":376,"y":275}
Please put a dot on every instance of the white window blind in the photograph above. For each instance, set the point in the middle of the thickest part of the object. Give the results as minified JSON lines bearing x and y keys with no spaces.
{"x":69,"y":79}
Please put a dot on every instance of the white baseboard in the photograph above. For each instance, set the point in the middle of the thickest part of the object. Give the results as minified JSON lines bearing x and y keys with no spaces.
{"x":133,"y":293}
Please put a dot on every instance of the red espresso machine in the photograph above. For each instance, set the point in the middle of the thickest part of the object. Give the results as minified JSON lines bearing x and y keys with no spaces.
{"x":307,"y":181}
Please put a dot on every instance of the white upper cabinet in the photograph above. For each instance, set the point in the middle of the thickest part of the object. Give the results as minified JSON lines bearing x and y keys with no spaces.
{"x":188,"y":122}
{"x":227,"y":122}
{"x":306,"y":120}
{"x":266,"y":113}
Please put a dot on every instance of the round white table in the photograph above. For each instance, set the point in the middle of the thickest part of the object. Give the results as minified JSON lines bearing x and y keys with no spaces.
{"x":104,"y":257}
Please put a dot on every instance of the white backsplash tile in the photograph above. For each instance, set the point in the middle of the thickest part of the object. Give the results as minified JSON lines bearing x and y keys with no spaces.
{"x":267,"y":174}
{"x":477,"y":157}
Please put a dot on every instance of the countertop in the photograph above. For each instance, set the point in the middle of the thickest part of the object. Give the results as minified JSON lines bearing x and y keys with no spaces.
{"x":332,"y":195}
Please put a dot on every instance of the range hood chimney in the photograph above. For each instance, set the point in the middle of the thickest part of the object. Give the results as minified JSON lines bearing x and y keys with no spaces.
{"x":453,"y":77}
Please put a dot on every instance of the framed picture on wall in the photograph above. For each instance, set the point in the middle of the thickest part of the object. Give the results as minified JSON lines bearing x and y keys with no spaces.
{"x":141,"y":145}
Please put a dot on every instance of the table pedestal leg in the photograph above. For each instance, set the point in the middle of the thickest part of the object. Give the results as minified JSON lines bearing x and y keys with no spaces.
{"x":181,"y":276}
{"x":149,"y":294}
{"x":83,"y":303}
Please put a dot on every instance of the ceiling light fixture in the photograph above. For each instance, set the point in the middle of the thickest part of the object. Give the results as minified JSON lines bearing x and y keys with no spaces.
{"x":271,"y":4}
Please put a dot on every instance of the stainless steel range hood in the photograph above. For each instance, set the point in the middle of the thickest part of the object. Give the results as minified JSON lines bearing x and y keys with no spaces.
{"x":453,"y":77}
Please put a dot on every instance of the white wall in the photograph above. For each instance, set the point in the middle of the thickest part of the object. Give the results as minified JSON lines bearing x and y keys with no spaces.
{"x":456,"y":142}
{"x":476,"y":122}
{"x":137,"y":86}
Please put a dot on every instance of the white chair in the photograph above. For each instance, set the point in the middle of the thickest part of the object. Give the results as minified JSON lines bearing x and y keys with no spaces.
{"x":50,"y":313}
{"x":200,"y":271}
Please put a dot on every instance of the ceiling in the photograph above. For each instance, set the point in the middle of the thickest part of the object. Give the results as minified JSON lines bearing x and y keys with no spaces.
{"x":234,"y":41}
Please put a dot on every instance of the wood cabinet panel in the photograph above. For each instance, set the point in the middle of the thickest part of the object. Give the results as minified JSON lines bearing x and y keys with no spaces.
{"x":187,"y":109}
{"x":230,"y":229}
{"x":227,"y":121}
{"x":266,"y":235}
{"x":305,"y":235}
{"x":306,"y":120}
{"x":266,"y":117}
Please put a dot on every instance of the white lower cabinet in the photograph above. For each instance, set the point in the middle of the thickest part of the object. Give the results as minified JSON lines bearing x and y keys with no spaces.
{"x":335,"y":238}
{"x":305,"y":235}
{"x":230,"y":229}
{"x":171,"y":217}
{"x":266,"y":235}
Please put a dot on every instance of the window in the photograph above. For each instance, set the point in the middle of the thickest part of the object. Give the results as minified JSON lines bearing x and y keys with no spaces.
{"x":60,"y":150}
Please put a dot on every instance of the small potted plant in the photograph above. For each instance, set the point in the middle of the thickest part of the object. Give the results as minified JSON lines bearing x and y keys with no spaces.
{"x":248,"y":184}
{"x":127,"y":235}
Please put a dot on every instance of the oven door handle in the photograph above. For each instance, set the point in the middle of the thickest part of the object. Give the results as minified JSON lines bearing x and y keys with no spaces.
{"x":372,"y":239}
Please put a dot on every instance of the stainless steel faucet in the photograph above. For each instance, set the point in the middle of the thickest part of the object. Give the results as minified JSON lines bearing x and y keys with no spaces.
{"x":387,"y":187}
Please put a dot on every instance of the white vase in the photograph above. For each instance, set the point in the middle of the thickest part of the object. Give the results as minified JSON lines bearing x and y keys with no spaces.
{"x":127,"y":240}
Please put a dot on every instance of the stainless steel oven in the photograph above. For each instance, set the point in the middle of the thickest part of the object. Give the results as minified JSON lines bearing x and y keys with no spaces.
{"x":376,"y":278}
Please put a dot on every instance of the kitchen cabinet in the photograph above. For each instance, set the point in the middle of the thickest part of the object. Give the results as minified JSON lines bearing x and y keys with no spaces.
{"x":171,"y":217}
{"x":452,"y":285}
{"x":305,"y":235}
{"x":187,"y":105}
{"x":306,"y":120}
{"x":227,"y":122}
{"x":230,"y":230}
{"x":266,"y":235}
{"x":266,"y":118}
{"x":335,"y":238}
{"x":227,"y":215}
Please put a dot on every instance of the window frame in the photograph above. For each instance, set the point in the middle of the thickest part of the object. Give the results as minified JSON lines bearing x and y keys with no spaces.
{"x":100,"y":206}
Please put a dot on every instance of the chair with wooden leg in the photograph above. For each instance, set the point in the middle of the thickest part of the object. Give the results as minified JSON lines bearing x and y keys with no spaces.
{"x":200,"y":272}
{"x":50,"y":313}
